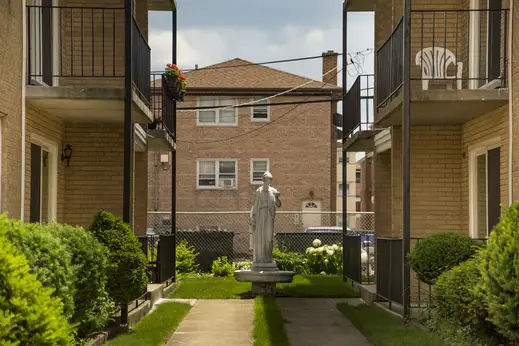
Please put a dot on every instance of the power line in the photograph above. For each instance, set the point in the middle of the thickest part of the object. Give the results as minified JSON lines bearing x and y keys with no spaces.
{"x":260,"y":127}
{"x":360,"y":52}
{"x":269,"y":104}
{"x":272,"y":96}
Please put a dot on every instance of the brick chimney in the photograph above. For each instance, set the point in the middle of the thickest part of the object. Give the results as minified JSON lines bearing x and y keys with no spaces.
{"x":329,"y":63}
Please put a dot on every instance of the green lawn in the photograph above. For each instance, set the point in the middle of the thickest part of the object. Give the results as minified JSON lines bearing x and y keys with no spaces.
{"x":303,"y":286}
{"x":154,"y":329}
{"x":269,"y":327}
{"x":384,"y":329}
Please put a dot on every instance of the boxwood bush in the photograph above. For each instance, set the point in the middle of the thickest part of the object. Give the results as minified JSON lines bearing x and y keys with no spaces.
{"x":126,"y":269}
{"x":47,"y":256}
{"x":440,"y":252}
{"x":92,"y":306}
{"x":29,"y":314}
{"x":500,"y":274}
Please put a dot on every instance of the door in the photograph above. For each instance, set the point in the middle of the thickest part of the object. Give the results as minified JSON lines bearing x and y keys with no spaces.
{"x":42,"y":191}
{"x":485,"y":191}
{"x":41,"y":26}
{"x":36,"y":158}
{"x":494,"y":40}
{"x":311,"y":214}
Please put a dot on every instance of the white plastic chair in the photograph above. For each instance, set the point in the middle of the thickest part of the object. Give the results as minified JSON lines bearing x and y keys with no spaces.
{"x":435,"y":62}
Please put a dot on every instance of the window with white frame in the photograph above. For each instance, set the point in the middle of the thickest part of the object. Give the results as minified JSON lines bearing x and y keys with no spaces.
{"x":260,"y":111}
{"x":213,"y":115}
{"x":339,"y":190}
{"x":257,"y":168}
{"x":217,"y":174}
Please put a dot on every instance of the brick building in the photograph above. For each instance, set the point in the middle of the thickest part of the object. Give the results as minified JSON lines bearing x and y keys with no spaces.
{"x":221,"y":154}
{"x":62,"y":108}
{"x":463,"y":74}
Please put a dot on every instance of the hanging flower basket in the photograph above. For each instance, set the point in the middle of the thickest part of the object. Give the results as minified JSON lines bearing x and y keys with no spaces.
{"x":176,"y":81}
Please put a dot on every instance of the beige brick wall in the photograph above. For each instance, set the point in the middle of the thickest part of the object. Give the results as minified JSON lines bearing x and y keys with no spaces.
{"x":383,"y":197}
{"x":515,"y":102}
{"x":11,"y":104}
{"x":94,"y":180}
{"x":140,"y":208}
{"x":286,"y":144}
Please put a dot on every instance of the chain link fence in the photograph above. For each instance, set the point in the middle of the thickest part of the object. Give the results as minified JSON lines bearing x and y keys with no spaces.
{"x":216,"y":234}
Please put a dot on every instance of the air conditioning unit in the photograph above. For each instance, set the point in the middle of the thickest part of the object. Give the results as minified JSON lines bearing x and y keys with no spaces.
{"x":227,"y":183}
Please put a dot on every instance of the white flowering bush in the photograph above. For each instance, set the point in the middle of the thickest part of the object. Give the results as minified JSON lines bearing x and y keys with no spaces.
{"x":324,"y":259}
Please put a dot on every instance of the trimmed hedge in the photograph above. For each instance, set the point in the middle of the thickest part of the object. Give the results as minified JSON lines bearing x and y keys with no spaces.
{"x":29,"y":314}
{"x":126,"y":270}
{"x":440,"y":252}
{"x":47,"y":256}
{"x":500,"y":274}
{"x":92,"y":305}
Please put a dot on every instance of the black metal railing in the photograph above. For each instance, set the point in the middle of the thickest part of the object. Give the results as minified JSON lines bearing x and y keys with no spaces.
{"x":163,"y":104}
{"x":141,"y":56}
{"x":389,"y":65}
{"x":359,"y":106}
{"x":389,"y":269}
{"x":159,"y":251}
{"x":445,"y":48}
{"x":73,"y":43}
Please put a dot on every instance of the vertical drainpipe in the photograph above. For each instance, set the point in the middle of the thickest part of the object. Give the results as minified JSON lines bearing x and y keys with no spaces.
{"x":406,"y":166}
{"x":174,"y":152}
{"x":24,"y":82}
{"x":344,"y":154}
{"x":510,"y":106}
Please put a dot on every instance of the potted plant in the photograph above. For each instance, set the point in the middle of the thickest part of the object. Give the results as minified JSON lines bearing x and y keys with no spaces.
{"x":156,"y":121}
{"x":176,"y":80}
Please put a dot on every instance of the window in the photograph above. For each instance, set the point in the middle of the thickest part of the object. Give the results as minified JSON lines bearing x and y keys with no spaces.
{"x":347,"y":189}
{"x":357,"y":205}
{"x":260,"y":111}
{"x":357,"y":176}
{"x":484,"y":188}
{"x":339,"y":190}
{"x":257,"y":168}
{"x":217,"y":174}
{"x":221,"y":117}
{"x":339,"y":156}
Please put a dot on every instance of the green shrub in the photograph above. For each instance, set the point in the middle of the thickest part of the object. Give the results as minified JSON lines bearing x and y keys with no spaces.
{"x":185,"y":256}
{"x":48,"y":258}
{"x":500,"y":274}
{"x":290,"y":261}
{"x":440,"y":252}
{"x":126,"y":263}
{"x":457,"y":298}
{"x":222,"y":267}
{"x":29,"y":315}
{"x":92,"y":306}
{"x":324,"y":259}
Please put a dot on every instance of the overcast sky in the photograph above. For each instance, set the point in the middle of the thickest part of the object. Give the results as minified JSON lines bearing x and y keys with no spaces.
{"x":214,"y":31}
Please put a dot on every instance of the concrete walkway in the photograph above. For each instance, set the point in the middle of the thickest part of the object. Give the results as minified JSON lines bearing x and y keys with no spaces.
{"x":318,"y":322}
{"x":216,"y":322}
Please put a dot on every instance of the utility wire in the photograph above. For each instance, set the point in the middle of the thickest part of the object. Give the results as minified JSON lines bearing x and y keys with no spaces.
{"x":366,"y":51}
{"x":260,"y":127}
{"x":270,"y":104}
{"x":268,"y":97}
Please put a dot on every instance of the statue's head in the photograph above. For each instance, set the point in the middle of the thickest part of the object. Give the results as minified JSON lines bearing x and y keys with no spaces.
{"x":267,"y":178}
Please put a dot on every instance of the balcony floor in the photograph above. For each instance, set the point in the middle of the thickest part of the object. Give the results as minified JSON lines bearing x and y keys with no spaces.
{"x":100,"y":105}
{"x":160,"y":140}
{"x":442,"y":107}
{"x":361,"y":141}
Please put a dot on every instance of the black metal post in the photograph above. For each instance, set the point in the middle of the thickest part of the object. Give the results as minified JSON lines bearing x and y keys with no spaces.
{"x":406,"y":166}
{"x":344,"y":117}
{"x":128,"y":127}
{"x":174,"y":152}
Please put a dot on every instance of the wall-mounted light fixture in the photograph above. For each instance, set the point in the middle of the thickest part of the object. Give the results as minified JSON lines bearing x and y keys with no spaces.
{"x":66,"y":154}
{"x":164,"y":162}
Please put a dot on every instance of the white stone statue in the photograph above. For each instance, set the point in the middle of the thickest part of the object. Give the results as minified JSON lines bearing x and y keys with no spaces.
{"x":262,"y":216}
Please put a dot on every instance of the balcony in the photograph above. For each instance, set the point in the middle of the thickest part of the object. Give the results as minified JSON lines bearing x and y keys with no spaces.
{"x":458,"y":67}
{"x":161,"y":133}
{"x":76,"y":59}
{"x":358,"y":128}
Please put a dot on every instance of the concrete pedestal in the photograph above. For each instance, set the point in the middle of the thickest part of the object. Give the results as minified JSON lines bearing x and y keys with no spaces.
{"x":264,"y":277}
